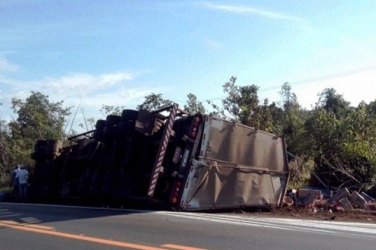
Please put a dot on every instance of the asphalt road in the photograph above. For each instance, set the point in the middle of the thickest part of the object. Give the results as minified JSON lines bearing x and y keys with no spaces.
{"x":28,"y":226}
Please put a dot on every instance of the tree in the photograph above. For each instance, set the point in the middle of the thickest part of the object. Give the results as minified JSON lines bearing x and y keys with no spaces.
{"x":270,"y":116}
{"x":292,"y":121}
{"x":359,"y":145}
{"x":6,"y":158}
{"x":289,"y":99}
{"x":240,"y":105}
{"x":333,"y":102}
{"x":4,"y":154}
{"x":342,"y":141}
{"x":194,"y":106}
{"x":38,"y":118}
{"x":154,"y":102}
{"x":112,"y":110}
{"x":241,"y":102}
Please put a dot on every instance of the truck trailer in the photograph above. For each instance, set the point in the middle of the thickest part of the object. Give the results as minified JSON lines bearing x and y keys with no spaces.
{"x":186,"y":162}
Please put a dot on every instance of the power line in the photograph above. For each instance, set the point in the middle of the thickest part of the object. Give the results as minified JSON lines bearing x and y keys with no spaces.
{"x":321,"y":78}
{"x":329,"y":77}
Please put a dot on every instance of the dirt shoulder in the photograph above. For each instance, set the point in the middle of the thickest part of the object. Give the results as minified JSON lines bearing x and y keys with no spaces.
{"x":354,"y":215}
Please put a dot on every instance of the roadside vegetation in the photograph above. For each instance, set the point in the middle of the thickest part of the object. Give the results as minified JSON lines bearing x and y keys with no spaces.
{"x":333,"y":144}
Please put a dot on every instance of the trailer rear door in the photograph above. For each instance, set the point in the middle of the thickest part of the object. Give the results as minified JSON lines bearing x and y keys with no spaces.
{"x":238,"y":167}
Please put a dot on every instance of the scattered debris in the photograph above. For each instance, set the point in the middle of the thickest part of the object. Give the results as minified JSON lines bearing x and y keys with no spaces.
{"x":367,"y":197}
{"x":306,"y":197}
{"x":341,"y":201}
{"x":370,"y":206}
{"x":344,"y":192}
{"x":345,"y":203}
{"x":357,"y":200}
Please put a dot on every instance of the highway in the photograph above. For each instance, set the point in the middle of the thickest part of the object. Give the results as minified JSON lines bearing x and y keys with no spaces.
{"x":52,"y":227}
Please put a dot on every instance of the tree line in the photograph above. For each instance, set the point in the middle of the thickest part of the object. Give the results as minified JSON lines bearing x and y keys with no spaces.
{"x":332,"y":145}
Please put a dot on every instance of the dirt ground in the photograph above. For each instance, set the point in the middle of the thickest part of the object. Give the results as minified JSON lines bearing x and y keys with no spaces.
{"x":354,"y":215}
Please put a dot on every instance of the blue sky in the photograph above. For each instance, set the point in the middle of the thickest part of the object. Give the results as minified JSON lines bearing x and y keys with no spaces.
{"x":90,"y":53}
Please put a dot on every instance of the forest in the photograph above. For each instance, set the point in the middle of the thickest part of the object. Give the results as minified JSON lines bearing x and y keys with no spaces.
{"x":332,"y":145}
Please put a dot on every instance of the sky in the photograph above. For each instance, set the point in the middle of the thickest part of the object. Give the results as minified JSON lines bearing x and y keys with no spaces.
{"x":90,"y":53}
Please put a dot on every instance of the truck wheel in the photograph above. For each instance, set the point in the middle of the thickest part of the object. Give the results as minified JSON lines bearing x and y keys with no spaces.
{"x":129,"y":115}
{"x":100,"y":124}
{"x":98,"y":135}
{"x":112,"y":120}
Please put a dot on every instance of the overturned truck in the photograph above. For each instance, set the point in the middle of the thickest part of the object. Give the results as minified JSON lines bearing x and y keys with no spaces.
{"x":187,"y":162}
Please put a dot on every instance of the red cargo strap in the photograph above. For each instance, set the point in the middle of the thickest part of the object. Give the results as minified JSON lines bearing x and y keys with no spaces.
{"x":162,"y":151}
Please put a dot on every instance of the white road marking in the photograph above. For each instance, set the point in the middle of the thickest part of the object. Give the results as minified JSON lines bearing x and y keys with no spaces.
{"x":346,"y":229}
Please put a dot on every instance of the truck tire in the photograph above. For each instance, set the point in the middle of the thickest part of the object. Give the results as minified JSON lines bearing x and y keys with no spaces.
{"x":112,"y":120}
{"x":129,"y":115}
{"x":100,"y":124}
{"x":99,"y":134}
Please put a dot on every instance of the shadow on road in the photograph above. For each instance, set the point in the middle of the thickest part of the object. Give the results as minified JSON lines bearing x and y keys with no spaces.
{"x":42,"y":213}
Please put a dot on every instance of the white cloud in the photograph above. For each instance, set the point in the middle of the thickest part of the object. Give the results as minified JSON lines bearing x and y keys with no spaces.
{"x":90,"y":106}
{"x":354,"y":85}
{"x":355,"y":88}
{"x":127,"y":97}
{"x":93,"y":91}
{"x":85,"y":83}
{"x":238,"y":9}
{"x":86,"y":91}
{"x":5,"y":65}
